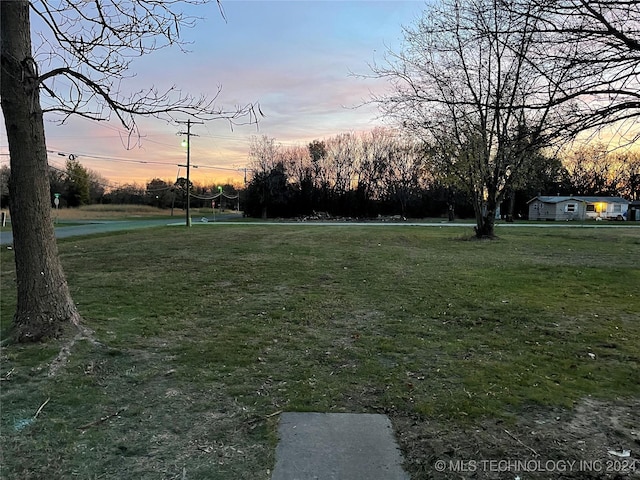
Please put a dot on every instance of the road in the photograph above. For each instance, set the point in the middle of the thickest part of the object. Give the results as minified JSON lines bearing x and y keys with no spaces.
{"x":91,"y":227}
{"x":105,"y":226}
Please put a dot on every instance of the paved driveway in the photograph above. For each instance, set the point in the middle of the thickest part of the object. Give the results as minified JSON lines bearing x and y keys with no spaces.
{"x":90,"y":227}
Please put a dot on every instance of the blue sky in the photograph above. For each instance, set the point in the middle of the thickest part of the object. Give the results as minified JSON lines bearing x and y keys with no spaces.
{"x":296,"y":58}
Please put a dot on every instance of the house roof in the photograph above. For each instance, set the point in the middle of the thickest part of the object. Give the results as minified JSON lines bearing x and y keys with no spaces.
{"x":564,"y":198}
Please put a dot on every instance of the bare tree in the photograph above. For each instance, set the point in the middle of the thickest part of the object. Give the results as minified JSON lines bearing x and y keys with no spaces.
{"x":264,"y":153}
{"x":298,"y":163}
{"x":342,"y":155}
{"x":462,"y":84}
{"x":90,"y":45}
{"x":269,"y":177}
{"x":588,"y":170}
{"x":406,"y":174}
{"x":589,"y":50}
{"x":630,"y":165}
{"x":592,"y":170}
{"x":373,"y":163}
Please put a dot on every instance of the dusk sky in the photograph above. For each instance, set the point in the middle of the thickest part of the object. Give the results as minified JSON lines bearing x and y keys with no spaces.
{"x":296,"y":58}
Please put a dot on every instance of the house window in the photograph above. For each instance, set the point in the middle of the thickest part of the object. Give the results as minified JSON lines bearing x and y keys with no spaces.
{"x":617,"y":208}
{"x":591,"y":208}
{"x":571,"y":207}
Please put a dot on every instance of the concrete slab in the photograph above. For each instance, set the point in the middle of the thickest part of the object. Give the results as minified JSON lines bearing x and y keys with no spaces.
{"x":337,"y":446}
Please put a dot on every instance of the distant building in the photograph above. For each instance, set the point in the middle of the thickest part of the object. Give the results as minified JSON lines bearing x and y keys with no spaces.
{"x":578,"y":208}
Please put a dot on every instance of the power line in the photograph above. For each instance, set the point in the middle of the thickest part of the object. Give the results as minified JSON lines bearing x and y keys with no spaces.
{"x":75,"y":156}
{"x":217,"y":195}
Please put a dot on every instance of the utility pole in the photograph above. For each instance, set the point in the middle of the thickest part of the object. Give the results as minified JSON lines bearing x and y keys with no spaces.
{"x":188,"y":165}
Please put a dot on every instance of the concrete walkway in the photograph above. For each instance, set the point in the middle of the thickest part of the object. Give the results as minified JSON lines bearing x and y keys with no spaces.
{"x":337,"y":446}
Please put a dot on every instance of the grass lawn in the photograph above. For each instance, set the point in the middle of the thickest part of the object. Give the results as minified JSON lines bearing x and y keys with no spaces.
{"x":109,"y":212}
{"x":207,"y":334}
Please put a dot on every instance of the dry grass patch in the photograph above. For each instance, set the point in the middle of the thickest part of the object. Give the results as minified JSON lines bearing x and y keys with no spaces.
{"x":108,"y":212}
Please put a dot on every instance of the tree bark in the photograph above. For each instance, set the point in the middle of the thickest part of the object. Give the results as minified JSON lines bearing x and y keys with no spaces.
{"x":44,"y":304}
{"x":486,"y":225}
{"x":485,"y":211}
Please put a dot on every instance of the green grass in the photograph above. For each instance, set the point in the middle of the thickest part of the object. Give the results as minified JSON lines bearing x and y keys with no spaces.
{"x":207,"y":332}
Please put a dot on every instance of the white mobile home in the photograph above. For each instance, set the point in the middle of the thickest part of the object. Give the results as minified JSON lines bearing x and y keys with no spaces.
{"x":578,"y":208}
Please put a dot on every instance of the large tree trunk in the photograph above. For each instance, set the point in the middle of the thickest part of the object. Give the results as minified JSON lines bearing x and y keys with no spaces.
{"x":485,"y":211}
{"x":486,"y":225}
{"x":44,"y":306}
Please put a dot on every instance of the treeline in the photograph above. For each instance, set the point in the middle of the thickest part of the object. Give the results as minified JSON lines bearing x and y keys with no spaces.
{"x":384,"y":173}
{"x":77,"y":185}
{"x":354,"y":175}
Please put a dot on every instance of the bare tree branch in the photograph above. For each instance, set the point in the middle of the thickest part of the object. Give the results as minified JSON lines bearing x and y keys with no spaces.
{"x":92,"y":44}
{"x":589,"y":50}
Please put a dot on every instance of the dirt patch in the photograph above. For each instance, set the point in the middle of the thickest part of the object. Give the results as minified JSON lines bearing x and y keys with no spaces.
{"x":62,"y":358}
{"x":591,"y":441}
